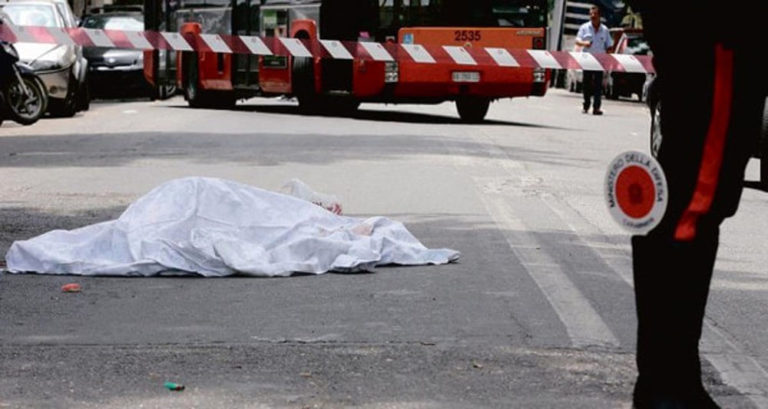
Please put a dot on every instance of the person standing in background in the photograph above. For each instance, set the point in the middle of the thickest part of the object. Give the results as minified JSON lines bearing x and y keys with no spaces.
{"x":593,"y":37}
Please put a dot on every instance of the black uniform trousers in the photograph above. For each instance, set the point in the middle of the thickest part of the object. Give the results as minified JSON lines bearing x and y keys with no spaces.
{"x":712,"y":93}
{"x":592,"y":87}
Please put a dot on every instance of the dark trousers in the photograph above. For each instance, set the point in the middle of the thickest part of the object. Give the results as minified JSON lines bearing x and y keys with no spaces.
{"x":592,"y":85}
{"x":712,"y":97}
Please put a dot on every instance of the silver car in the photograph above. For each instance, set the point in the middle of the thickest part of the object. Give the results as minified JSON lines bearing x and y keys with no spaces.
{"x":62,"y":68}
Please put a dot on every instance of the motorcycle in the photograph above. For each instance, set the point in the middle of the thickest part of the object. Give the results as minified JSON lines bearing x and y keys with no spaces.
{"x":23,"y":98}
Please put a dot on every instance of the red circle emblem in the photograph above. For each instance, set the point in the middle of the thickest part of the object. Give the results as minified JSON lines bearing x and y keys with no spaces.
{"x":635,"y":192}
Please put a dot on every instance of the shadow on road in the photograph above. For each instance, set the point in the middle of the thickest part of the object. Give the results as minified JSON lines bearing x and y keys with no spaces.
{"x":383,"y":116}
{"x":259,"y":149}
{"x":375,"y":115}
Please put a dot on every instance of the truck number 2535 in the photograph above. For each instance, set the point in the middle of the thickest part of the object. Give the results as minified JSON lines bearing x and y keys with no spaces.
{"x":467,"y":35}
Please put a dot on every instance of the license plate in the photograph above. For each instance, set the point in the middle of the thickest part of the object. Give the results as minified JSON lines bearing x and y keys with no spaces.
{"x":466,"y":76}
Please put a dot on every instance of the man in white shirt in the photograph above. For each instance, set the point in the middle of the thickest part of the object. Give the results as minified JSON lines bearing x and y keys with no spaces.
{"x":594,"y":37}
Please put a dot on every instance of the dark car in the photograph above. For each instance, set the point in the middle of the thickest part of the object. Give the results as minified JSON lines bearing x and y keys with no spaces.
{"x":760,"y":150}
{"x":626,"y":84}
{"x":113,"y":70}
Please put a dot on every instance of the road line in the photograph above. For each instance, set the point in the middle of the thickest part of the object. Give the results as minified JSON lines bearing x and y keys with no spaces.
{"x":583,"y":324}
{"x":736,"y":368}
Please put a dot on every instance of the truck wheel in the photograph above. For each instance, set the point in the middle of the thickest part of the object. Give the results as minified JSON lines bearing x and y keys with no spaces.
{"x":472,"y":109}
{"x":338,"y":105}
{"x":350,"y":106}
{"x":224,"y":100}
{"x":303,"y":80}
{"x":192,"y":92}
{"x":68,"y":107}
{"x":84,"y":97}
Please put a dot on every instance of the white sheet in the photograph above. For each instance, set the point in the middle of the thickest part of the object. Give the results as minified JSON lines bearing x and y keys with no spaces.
{"x":215,"y":227}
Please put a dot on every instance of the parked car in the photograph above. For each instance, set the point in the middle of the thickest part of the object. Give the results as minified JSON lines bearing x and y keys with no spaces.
{"x":62,"y":68}
{"x":114,"y":70}
{"x":618,"y":84}
{"x":760,"y":151}
{"x":70,"y":20}
{"x":626,"y":84}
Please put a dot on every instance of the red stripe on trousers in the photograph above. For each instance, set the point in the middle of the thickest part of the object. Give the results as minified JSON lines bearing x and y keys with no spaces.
{"x":714,"y":146}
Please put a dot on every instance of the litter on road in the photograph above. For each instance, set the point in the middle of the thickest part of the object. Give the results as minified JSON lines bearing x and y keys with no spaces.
{"x":214,"y":228}
{"x":172,"y":386}
{"x":71,"y":288}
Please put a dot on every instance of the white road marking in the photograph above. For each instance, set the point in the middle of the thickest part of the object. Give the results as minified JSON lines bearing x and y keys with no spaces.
{"x":583,"y":324}
{"x":736,"y":368}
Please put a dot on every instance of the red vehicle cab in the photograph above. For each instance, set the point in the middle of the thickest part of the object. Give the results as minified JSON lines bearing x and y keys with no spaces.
{"x":341,"y":84}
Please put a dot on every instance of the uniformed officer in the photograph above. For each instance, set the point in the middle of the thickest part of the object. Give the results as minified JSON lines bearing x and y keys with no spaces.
{"x":712,"y":92}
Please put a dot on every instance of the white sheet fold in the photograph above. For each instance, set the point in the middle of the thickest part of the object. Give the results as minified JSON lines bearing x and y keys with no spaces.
{"x":215,"y":227}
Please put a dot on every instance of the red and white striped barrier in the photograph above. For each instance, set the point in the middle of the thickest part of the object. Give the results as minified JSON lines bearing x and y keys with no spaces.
{"x":279,"y":46}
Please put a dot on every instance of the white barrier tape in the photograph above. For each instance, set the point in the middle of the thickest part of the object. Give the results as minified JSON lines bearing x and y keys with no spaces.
{"x":295,"y":47}
{"x":629,"y":62}
{"x":216,"y":43}
{"x":545,"y":59}
{"x":61,"y":36}
{"x":587,"y":61}
{"x":418,"y":53}
{"x":21,"y":34}
{"x":99,"y":38}
{"x":256,"y":45}
{"x":424,"y":54}
{"x":138,"y":40}
{"x":460,"y":55}
{"x":502,"y":57}
{"x":177,"y":42}
{"x":377,"y":51}
{"x":336,"y":49}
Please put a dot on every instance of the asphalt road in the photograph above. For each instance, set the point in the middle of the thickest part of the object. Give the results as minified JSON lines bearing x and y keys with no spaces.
{"x":537,"y":313}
